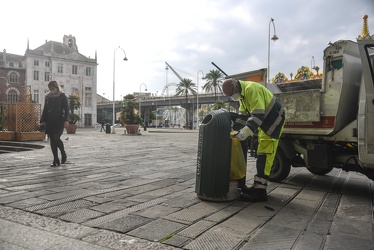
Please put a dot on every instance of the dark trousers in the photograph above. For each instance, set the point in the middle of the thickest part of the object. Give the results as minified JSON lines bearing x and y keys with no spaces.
{"x":56,"y":143}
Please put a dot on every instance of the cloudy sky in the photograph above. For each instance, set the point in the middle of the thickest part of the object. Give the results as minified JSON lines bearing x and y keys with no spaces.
{"x":188,"y":34}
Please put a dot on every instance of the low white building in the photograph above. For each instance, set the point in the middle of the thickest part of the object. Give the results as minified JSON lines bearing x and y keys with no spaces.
{"x":76,"y":74}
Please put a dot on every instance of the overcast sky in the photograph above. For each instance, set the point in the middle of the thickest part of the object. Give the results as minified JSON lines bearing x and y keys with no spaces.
{"x":188,"y":34}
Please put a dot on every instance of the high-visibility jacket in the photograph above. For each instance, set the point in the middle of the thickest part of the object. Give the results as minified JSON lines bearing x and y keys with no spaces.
{"x":266,"y":112}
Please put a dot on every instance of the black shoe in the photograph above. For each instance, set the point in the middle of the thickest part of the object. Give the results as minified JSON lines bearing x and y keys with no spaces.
{"x":254,"y":195}
{"x":63,"y":158}
{"x":55,"y":163}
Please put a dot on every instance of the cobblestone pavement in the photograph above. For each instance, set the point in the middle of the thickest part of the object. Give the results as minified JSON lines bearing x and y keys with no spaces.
{"x":138,"y":192}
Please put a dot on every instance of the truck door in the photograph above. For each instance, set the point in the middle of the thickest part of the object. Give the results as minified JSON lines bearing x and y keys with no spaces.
{"x":365,"y":118}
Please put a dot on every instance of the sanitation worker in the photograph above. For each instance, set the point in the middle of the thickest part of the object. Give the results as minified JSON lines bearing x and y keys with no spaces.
{"x":266,"y":119}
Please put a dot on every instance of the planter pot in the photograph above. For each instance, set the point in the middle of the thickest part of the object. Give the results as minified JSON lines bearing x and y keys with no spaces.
{"x":132,"y":129}
{"x":71,"y":128}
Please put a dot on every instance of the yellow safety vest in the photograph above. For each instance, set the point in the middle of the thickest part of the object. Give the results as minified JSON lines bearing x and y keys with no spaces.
{"x":263,"y":107}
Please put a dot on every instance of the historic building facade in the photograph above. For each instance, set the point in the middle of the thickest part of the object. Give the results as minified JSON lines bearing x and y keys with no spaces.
{"x":12,"y":77}
{"x":62,"y":62}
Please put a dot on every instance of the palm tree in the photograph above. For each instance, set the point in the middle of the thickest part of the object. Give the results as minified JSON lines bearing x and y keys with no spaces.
{"x":214,"y":82}
{"x":184,"y":87}
{"x":128,"y":115}
{"x":219,"y":105}
{"x":74,"y":103}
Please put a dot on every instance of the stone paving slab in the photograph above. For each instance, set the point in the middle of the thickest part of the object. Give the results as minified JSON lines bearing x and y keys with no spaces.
{"x":125,"y":223}
{"x":138,"y":192}
{"x":157,"y":230}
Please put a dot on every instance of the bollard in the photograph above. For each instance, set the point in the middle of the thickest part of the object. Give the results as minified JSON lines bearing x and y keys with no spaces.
{"x":107,"y":128}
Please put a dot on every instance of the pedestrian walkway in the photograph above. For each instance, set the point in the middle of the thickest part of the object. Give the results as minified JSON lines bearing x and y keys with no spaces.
{"x":138,"y":192}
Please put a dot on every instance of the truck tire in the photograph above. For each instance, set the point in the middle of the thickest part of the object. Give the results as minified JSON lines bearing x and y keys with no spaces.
{"x":320,"y":171}
{"x":281,"y":167}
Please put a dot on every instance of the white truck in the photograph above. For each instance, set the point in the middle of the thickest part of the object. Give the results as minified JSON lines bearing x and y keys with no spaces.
{"x":330,"y":121}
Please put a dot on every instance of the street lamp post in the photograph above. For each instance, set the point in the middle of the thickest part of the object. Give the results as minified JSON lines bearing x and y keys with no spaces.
{"x":140,"y":90}
{"x":156,"y":107}
{"x":169,"y":108}
{"x":166,"y":83}
{"x":274,"y":38}
{"x":312,"y":64}
{"x":114,"y":80}
{"x":197,"y":98}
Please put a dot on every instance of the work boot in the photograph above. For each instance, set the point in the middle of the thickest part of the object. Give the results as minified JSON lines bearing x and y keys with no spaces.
{"x":257,"y":192}
{"x":257,"y":195}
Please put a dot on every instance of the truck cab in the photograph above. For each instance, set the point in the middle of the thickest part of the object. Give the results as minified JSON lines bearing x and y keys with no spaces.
{"x":365,"y":117}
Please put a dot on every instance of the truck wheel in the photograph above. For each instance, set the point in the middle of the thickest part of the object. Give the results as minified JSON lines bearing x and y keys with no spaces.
{"x":320,"y":171}
{"x":281,"y":167}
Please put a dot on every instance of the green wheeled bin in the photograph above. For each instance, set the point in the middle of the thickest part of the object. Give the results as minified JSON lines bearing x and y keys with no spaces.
{"x":213,"y":159}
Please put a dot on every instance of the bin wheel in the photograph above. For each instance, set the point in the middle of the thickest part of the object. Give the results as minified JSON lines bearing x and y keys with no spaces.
{"x":320,"y":171}
{"x":281,"y":167}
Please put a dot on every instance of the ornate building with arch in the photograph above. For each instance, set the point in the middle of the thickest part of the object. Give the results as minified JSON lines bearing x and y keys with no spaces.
{"x":59,"y":61}
{"x":12,"y":76}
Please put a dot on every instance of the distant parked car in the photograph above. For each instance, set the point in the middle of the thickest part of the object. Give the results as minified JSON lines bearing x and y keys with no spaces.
{"x":117,"y":125}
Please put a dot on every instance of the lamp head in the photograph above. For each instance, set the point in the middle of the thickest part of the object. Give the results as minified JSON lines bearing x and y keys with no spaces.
{"x":125,"y":59}
{"x":274,"y":38}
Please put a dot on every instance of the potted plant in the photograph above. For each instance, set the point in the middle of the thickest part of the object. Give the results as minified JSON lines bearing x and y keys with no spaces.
{"x":128,"y":118}
{"x":74,"y":103}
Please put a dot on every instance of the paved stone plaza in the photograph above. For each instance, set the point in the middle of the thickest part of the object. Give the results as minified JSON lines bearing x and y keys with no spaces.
{"x":138,"y":192}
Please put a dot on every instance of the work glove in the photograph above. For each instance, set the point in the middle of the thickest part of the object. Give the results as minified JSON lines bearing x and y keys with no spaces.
{"x":243,"y":133}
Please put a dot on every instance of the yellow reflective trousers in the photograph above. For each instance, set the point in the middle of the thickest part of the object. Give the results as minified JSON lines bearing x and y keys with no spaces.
{"x":266,"y":151}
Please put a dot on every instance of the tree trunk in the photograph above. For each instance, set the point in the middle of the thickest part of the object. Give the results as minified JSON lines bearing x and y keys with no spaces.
{"x":186,"y":112}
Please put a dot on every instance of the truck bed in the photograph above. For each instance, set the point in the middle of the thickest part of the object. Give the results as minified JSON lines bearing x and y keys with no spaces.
{"x":323,"y":107}
{"x":301,"y":100}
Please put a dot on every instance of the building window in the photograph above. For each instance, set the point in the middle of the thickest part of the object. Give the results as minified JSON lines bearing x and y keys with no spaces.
{"x":12,"y":97}
{"x":36,"y":75}
{"x":11,"y":64}
{"x":87,"y":120}
{"x":46,"y":76}
{"x":60,"y":68}
{"x":74,"y":69}
{"x":36,"y":62}
{"x":88,"y":71}
{"x":47,"y":63}
{"x":13,"y":77}
{"x":87,"y":99}
{"x":88,"y":89}
{"x":36,"y":96}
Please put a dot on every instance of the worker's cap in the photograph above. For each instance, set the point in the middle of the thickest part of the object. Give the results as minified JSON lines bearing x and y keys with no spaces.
{"x":229,"y":87}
